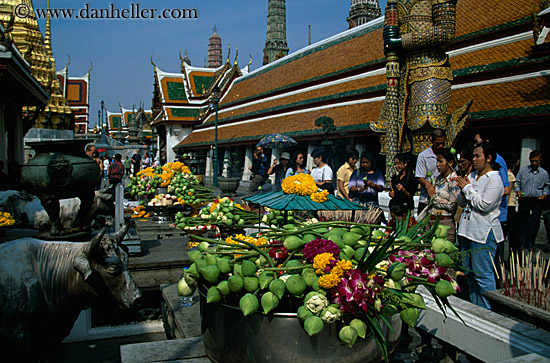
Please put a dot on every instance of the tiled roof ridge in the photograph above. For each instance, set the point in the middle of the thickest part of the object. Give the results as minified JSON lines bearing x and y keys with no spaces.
{"x":462,"y":76}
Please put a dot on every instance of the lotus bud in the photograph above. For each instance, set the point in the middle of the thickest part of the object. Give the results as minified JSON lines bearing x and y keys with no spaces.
{"x":450,"y":247}
{"x":235,"y":283}
{"x":223,"y":265}
{"x":237,"y":269}
{"x":210,"y":260}
{"x":360,"y":327}
{"x":249,"y":304}
{"x":284,"y":277}
{"x":409,"y":316}
{"x":348,"y":335}
{"x":295,"y":285}
{"x":396,"y":271}
{"x":350,"y":238}
{"x":211,"y":273}
{"x":248,"y":268}
{"x":303,"y":313}
{"x":313,"y":325}
{"x":213,"y":295}
{"x":438,"y":245}
{"x":194,"y":255}
{"x":359,"y":253}
{"x":330,"y":314}
{"x":269,"y":301}
{"x":441,"y":231}
{"x":193,"y":270}
{"x":392,"y":284}
{"x":309,"y":277}
{"x":277,"y":287}
{"x":265,"y":278}
{"x":349,"y":252}
{"x":184,"y":289}
{"x":378,"y":304}
{"x":444,"y":289}
{"x":292,"y":243}
{"x":203,"y":246}
{"x":315,"y":286}
{"x":189,"y":279}
{"x":443,"y":260}
{"x":251,"y":284}
{"x":316,"y":303}
{"x":223,"y":287}
{"x":389,"y":310}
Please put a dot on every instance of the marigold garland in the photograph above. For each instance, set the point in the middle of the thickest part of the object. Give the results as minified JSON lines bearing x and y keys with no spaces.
{"x":300,"y":184}
{"x":321,"y":261}
{"x":320,"y":197}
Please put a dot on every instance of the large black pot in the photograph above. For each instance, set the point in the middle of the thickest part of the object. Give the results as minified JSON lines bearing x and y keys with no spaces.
{"x":228,"y":336}
{"x":229,"y":186}
{"x":60,"y":170}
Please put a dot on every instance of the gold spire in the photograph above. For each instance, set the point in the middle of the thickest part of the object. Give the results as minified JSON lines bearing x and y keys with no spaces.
{"x":37,"y":51}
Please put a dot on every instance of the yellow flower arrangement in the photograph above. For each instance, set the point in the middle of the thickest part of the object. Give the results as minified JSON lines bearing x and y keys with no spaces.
{"x":255,"y":241}
{"x":6,"y":219}
{"x":300,"y":184}
{"x":321,"y":261}
{"x":330,"y":280}
{"x":320,"y":197}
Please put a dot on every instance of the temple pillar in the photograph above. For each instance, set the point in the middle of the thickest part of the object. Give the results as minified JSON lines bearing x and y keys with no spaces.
{"x":247,"y":163}
{"x":208,"y":170}
{"x":226,"y":162}
{"x":309,"y":158}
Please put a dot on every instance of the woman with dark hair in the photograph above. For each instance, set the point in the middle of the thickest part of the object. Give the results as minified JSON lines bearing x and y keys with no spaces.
{"x":479,"y":228}
{"x":344,"y":173}
{"x":404,"y":183}
{"x":366,"y":182}
{"x":443,"y":203}
{"x":296,"y":165}
{"x":322,"y":173}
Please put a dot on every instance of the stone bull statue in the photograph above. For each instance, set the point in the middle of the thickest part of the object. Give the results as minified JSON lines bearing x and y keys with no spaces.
{"x":45,"y":285}
{"x":28,"y":209}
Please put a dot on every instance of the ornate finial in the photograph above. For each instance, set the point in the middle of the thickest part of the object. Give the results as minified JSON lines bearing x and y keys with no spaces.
{"x":250,"y":61}
{"x":236,"y":55}
{"x":91,"y":65}
{"x":214,"y":28}
{"x":153,"y":63}
{"x":228,"y":51}
{"x":68,"y":60}
{"x":181,"y":59}
{"x":309,"y":36}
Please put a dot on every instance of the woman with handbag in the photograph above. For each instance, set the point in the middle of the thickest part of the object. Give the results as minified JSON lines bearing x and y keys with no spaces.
{"x":366,"y":182}
{"x":322,"y":174}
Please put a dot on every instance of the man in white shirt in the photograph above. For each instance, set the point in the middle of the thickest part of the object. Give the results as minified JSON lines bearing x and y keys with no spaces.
{"x":426,"y":168}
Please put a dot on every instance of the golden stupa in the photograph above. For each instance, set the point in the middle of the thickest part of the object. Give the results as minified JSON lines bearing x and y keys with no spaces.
{"x":37,"y":51}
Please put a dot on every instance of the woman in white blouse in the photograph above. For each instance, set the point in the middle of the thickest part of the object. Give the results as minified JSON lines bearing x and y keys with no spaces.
{"x":479,"y":230}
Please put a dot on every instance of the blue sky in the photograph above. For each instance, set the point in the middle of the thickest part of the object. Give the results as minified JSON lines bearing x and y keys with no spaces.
{"x":120,"y":49}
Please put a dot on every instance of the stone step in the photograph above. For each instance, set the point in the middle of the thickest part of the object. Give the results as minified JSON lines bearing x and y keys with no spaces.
{"x":189,"y":350}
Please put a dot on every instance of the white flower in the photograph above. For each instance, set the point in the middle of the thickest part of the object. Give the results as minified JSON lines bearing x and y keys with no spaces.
{"x":316,"y":303}
{"x":331,"y":314}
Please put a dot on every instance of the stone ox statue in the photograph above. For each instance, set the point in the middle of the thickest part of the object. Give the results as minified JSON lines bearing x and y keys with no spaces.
{"x":45,"y":285}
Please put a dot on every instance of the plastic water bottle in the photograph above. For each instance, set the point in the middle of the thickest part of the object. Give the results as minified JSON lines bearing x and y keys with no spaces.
{"x":186,"y":301}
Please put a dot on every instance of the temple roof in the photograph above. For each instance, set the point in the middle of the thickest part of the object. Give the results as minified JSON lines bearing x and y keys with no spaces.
{"x":344,"y":77}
